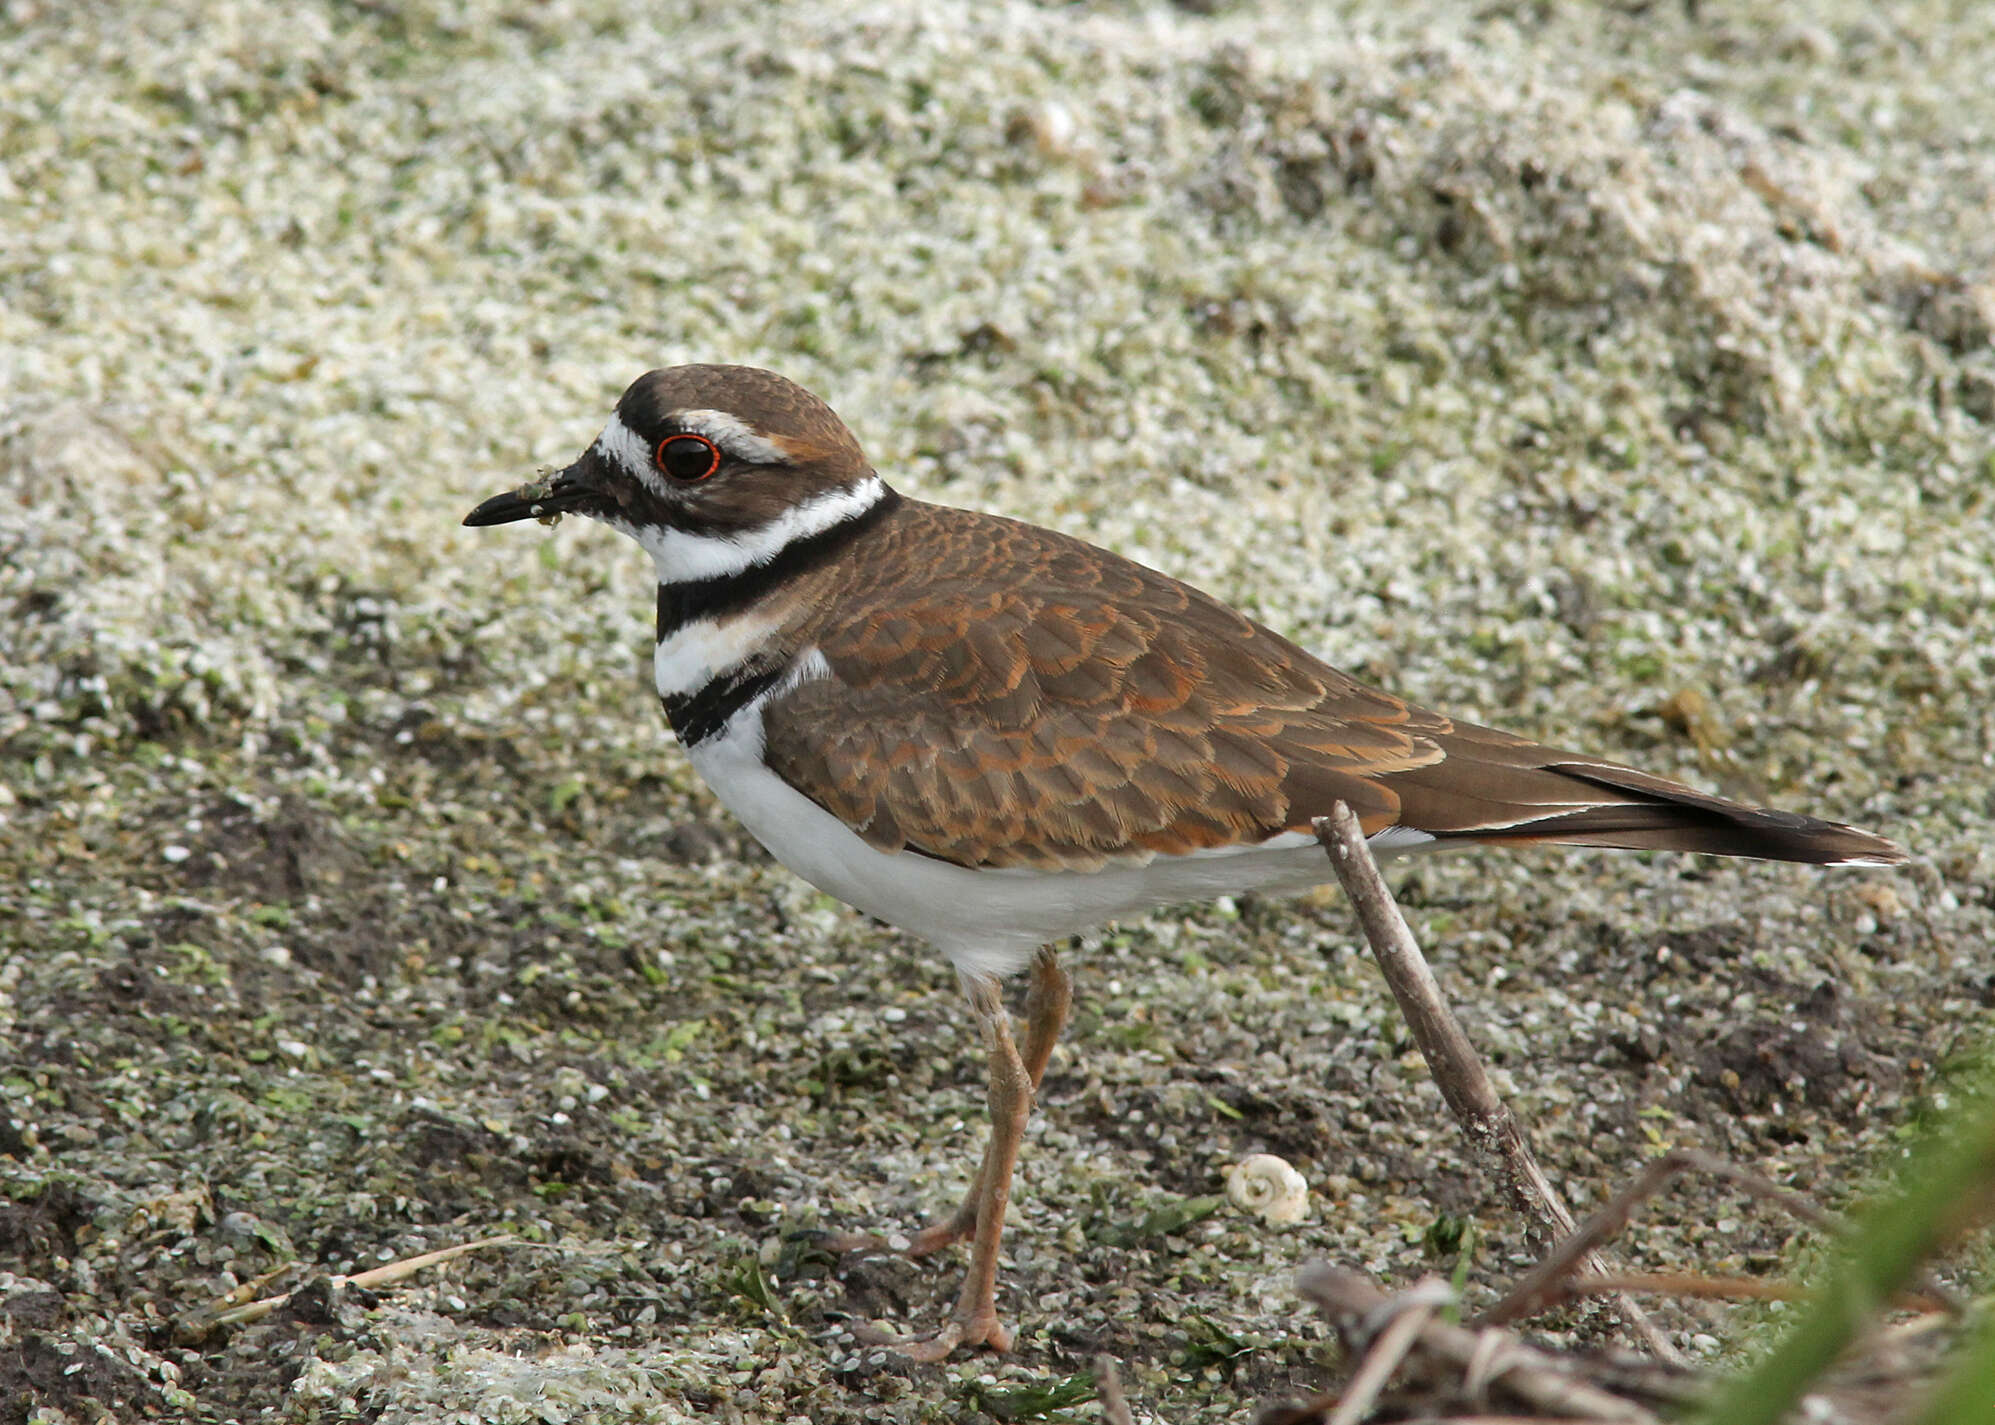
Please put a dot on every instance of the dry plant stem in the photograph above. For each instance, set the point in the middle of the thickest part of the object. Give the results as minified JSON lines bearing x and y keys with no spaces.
{"x":1493,"y":1132}
{"x":1538,"y":1288}
{"x":1681,"y":1284}
{"x":1549,"y":1282}
{"x":1906,"y":1332}
{"x":247,"y":1292}
{"x":1494,"y":1420}
{"x":1499,"y":1359}
{"x":1108,"y":1389}
{"x":1388,"y":1349}
{"x":1691,"y":1284}
{"x":367,"y":1280}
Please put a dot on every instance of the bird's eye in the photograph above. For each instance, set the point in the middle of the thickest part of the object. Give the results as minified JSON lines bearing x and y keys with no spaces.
{"x":687,"y":458}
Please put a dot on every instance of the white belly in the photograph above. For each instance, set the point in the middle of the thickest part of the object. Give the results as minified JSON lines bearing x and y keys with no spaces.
{"x":990,"y":921}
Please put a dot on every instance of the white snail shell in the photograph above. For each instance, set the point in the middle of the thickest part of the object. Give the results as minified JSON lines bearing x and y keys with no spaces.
{"x":1269,"y":1188}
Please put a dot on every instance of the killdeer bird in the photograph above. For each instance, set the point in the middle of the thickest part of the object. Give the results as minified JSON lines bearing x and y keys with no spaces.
{"x":993,"y":735}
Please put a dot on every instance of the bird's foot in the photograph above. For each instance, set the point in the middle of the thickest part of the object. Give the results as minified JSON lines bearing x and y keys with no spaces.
{"x":977,"y":1328}
{"x":958,"y":1226}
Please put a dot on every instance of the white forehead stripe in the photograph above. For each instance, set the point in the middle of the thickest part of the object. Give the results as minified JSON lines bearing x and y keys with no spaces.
{"x":733,"y":435}
{"x":682,"y":556}
{"x":619,"y":445}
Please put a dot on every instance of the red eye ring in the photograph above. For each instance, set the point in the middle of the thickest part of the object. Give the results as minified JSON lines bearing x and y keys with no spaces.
{"x":686,"y":458}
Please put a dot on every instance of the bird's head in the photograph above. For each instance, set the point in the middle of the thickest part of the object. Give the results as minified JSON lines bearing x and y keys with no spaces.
{"x":700,"y":464}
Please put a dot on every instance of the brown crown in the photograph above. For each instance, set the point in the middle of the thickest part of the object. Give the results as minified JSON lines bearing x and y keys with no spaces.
{"x":778,"y":410}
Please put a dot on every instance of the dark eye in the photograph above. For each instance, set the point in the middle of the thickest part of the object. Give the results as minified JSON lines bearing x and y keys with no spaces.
{"x":687,"y":458}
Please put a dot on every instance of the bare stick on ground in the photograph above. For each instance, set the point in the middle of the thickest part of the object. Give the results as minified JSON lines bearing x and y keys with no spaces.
{"x":225,"y":1313}
{"x":1490,"y":1362}
{"x":1108,"y":1388}
{"x":1546,"y":1284}
{"x":1412,"y":1309}
{"x":1494,"y":1135}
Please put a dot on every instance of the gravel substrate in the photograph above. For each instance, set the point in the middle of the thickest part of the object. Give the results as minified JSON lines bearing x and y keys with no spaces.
{"x":1620,"y":375}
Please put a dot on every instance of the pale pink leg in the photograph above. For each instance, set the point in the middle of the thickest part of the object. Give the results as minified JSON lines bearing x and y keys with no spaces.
{"x":1014,"y":1077}
{"x":1046,"y":1006}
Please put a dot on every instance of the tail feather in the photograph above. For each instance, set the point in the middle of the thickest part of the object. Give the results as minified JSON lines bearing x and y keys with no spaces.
{"x":1648,"y":813}
{"x":1492,"y":786}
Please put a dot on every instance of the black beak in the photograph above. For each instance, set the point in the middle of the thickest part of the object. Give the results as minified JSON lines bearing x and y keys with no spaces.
{"x":555,"y":494}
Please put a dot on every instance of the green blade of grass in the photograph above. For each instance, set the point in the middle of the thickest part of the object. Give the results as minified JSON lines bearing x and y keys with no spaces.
{"x":1945,"y":1186}
{"x":1967,"y":1395}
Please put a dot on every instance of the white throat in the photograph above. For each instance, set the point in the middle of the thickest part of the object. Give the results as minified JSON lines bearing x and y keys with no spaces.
{"x":683,"y":557}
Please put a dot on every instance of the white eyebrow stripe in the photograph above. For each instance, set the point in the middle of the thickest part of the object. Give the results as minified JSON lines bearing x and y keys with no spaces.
{"x":733,"y":435}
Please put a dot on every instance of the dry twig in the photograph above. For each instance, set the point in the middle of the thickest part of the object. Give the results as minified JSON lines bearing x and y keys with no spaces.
{"x":1555,"y":1278}
{"x":1410,"y":1311}
{"x":1493,"y":1132}
{"x":1108,"y":1389}
{"x":1540,"y":1287}
{"x":1489,"y":1360}
{"x":230,"y":1311}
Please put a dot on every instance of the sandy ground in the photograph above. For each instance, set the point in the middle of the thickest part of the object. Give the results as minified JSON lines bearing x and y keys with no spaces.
{"x":1546,"y":363}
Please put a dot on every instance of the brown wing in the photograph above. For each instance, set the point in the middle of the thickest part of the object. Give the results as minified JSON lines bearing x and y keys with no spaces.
{"x":1065,"y":709}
